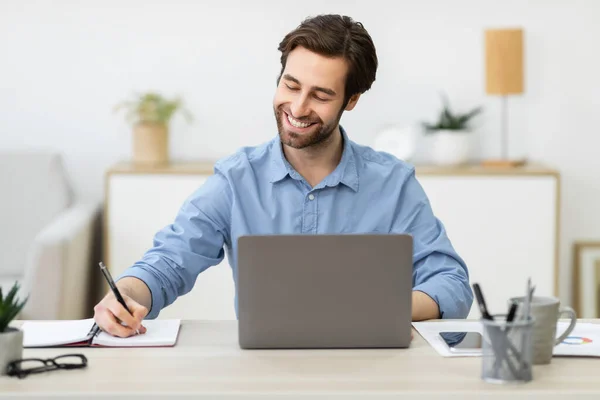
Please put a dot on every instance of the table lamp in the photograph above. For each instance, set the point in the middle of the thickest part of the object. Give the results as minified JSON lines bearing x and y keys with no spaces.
{"x":504,"y":76}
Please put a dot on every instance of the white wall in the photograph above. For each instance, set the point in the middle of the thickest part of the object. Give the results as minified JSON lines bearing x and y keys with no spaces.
{"x":65,"y":64}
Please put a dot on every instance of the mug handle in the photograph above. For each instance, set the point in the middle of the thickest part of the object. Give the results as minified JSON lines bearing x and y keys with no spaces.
{"x":571,"y":314}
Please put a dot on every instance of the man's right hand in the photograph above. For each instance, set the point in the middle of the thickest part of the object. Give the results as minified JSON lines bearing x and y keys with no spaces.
{"x":109,"y":314}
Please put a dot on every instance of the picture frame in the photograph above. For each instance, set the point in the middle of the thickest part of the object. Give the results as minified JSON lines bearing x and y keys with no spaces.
{"x":586,"y":279}
{"x":597,"y":287}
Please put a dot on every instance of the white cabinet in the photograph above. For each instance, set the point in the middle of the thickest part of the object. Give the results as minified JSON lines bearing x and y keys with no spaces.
{"x":140,"y":201}
{"x":503,"y":222}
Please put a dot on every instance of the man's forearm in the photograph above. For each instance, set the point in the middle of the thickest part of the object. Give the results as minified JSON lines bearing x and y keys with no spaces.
{"x":424,"y":307}
{"x":136,"y":289}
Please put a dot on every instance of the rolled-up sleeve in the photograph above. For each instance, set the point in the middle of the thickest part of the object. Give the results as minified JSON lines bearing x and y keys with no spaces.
{"x":189,"y":245}
{"x":438,"y":270}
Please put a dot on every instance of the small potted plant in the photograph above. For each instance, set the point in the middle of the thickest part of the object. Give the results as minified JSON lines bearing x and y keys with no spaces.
{"x":451,"y":141}
{"x":150,"y":114}
{"x":11,"y":339}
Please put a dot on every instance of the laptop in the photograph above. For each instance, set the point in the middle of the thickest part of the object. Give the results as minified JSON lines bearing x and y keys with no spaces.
{"x":324,"y":291}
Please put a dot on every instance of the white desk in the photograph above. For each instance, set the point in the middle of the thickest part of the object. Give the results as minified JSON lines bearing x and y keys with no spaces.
{"x":208,"y":363}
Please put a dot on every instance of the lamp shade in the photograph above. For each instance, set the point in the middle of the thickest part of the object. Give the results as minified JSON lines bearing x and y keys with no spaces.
{"x":504,"y":61}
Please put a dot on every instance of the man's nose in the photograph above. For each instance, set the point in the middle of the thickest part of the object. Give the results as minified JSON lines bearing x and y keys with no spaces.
{"x":299,"y":107}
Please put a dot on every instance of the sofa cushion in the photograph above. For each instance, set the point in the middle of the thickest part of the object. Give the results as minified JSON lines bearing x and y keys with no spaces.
{"x":34,"y":190}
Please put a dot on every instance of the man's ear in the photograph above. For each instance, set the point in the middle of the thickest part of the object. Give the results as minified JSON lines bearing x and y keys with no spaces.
{"x":352,"y":102}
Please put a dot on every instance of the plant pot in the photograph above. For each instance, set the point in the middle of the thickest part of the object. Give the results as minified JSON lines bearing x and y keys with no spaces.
{"x":450,"y":147}
{"x":11,"y":347}
{"x":150,"y":144}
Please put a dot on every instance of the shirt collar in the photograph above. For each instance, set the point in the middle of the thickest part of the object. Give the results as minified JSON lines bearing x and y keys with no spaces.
{"x":346,"y":172}
{"x":279,"y":167}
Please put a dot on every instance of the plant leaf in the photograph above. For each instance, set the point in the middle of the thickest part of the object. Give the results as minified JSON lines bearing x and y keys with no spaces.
{"x":10,"y":307}
{"x":447,"y":120}
{"x":152,"y":107}
{"x":464,"y":119}
{"x":11,"y":294}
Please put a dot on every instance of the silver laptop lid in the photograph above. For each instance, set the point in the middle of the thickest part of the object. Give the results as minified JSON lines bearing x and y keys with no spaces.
{"x":324,"y":291}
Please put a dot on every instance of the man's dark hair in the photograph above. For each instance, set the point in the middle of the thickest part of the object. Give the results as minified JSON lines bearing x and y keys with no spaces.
{"x":337,"y":36}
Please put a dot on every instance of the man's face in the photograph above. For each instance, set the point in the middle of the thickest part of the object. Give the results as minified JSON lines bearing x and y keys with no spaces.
{"x":309,"y":98}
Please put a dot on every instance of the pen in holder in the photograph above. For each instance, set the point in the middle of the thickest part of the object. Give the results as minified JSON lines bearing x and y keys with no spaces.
{"x":507,"y":350}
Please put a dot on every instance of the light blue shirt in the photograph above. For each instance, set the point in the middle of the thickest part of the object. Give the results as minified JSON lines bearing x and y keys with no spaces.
{"x":256,"y":191}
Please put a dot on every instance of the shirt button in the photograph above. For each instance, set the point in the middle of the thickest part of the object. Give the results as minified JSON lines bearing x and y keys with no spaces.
{"x":311,"y":196}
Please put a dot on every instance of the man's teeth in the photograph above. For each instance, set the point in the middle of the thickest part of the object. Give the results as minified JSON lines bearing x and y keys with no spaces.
{"x":297,"y":123}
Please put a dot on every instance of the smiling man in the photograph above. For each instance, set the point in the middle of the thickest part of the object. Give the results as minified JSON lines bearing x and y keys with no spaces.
{"x":310,"y":179}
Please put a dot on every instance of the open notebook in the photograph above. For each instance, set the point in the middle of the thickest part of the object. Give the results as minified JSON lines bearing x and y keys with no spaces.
{"x":77,"y":333}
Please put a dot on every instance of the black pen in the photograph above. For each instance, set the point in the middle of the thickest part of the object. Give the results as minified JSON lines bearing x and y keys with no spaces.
{"x":114,"y":289}
{"x":481,"y":302}
{"x":93,"y":333}
{"x":511,"y":312}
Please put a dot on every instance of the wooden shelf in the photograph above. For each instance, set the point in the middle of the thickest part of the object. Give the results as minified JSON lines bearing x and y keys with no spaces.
{"x":206,"y":168}
{"x":478,"y":169}
{"x":177,"y":167}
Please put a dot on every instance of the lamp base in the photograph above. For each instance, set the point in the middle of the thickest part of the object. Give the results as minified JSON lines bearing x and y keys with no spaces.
{"x":503,"y":163}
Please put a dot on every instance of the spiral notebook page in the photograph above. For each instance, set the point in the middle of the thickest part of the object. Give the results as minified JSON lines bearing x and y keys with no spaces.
{"x":159,"y":332}
{"x":55,"y":333}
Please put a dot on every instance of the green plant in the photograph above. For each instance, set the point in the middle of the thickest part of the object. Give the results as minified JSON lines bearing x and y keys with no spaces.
{"x":10,"y":306}
{"x":448,"y":120}
{"x":152,"y":108}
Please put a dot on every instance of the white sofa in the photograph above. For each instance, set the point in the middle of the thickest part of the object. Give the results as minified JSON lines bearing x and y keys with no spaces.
{"x":48,"y":238}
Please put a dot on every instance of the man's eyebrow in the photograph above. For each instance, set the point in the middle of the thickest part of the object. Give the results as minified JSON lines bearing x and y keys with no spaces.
{"x":317,"y":88}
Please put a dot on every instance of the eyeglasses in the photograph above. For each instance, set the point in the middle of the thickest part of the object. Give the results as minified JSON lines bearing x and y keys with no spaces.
{"x":26,"y":366}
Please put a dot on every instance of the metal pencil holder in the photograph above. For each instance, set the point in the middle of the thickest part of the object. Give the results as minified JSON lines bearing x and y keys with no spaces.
{"x":507,"y":350}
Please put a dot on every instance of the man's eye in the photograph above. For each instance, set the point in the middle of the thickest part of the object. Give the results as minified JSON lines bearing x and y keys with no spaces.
{"x":320,"y":99}
{"x":291,"y":88}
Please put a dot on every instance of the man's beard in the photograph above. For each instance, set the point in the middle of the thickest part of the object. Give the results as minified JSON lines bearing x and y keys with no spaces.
{"x":301,"y":141}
